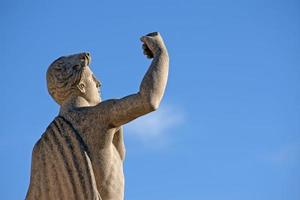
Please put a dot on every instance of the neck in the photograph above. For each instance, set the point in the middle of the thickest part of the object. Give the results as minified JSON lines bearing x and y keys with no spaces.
{"x":73,"y":103}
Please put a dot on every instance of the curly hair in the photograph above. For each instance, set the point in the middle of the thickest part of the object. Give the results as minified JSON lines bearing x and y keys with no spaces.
{"x":64,"y":74}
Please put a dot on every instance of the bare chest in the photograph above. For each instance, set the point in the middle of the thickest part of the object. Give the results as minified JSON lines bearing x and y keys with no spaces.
{"x":108,"y":169}
{"x":105,"y":150}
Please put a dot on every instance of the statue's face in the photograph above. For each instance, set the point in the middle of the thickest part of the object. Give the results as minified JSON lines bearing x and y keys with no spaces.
{"x":91,"y":91}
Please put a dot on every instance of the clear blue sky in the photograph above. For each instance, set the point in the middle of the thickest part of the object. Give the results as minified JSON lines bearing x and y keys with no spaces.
{"x":229,"y":124}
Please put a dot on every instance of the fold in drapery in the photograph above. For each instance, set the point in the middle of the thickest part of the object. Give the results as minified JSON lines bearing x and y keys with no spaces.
{"x":61,"y":167}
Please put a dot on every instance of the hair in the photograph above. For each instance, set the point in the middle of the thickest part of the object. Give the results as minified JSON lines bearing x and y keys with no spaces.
{"x":64,"y":74}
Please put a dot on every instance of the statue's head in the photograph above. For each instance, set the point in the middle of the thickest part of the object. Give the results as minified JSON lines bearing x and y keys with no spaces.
{"x":71,"y":76}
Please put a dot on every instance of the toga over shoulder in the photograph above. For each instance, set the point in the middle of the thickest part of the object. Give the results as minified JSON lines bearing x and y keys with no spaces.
{"x":61,"y":167}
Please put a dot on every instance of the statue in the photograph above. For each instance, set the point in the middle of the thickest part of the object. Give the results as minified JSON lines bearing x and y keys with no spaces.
{"x":80,"y":155}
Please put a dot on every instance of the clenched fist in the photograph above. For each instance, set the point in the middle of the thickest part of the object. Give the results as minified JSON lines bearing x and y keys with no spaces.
{"x":153,"y":44}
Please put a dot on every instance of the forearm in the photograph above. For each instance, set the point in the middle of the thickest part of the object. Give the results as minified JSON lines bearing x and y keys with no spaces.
{"x":151,"y":89}
{"x":154,"y":82}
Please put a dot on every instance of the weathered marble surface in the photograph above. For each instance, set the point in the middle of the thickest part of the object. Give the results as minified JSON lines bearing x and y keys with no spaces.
{"x":81,"y":154}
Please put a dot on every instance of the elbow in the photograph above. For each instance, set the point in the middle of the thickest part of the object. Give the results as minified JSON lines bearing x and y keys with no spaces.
{"x":153,"y":105}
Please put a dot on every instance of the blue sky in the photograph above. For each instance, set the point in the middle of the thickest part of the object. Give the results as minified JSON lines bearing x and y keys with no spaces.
{"x":229,"y":124}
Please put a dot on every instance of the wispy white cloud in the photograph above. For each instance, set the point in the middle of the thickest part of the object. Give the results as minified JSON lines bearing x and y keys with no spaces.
{"x":157,"y":125}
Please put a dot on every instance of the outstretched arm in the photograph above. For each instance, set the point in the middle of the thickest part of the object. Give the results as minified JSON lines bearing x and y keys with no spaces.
{"x":152,"y":87}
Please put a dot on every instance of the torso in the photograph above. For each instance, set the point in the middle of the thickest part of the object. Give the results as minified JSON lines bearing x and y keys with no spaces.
{"x":106,"y":153}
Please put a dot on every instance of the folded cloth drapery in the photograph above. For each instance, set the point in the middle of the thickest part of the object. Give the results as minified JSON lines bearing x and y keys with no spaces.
{"x":61,"y":167}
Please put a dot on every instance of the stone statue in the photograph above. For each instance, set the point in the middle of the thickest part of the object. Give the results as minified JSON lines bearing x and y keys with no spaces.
{"x":81,"y":153}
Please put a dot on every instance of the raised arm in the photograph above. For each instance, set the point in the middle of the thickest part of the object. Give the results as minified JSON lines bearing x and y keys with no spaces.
{"x":152,"y":87}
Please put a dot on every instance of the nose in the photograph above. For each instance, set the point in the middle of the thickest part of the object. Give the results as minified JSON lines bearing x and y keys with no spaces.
{"x":98,"y":84}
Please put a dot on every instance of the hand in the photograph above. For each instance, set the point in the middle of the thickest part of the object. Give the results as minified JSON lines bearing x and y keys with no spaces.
{"x":153,"y":44}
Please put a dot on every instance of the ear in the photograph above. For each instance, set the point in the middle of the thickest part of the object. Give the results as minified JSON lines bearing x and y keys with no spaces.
{"x":81,"y":87}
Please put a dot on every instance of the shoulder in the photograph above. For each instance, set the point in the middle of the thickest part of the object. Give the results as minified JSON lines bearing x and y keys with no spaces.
{"x":101,"y":110}
{"x":106,"y":104}
{"x":39,"y":144}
